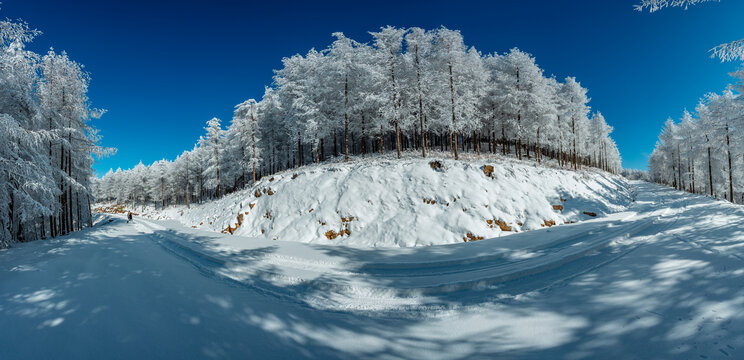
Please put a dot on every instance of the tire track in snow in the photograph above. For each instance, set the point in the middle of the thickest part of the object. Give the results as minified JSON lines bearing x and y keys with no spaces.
{"x":357,"y":287}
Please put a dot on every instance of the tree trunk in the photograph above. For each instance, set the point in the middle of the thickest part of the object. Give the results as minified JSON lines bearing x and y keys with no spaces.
{"x":454,"y":122}
{"x":217,"y":160}
{"x":503,"y":138}
{"x":710,"y":173}
{"x":679,"y":168}
{"x":538,"y":150}
{"x":346,"y":120}
{"x":254,"y":172}
{"x":730,"y":170}
{"x":188,"y":183}
{"x":364,"y":138}
{"x":299,"y":150}
{"x":692,"y":177}
{"x":477,"y":142}
{"x":382,"y":141}
{"x":69,"y":188}
{"x":63,"y":197}
{"x":421,"y":120}
{"x":395,"y":104}
{"x":573,"y":132}
{"x":421,"y":100}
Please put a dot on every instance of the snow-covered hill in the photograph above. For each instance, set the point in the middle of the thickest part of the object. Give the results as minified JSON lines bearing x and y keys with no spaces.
{"x":411,"y":202}
{"x":660,"y":280}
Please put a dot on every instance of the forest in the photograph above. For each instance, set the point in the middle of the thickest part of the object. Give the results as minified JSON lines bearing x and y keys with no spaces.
{"x":703,"y":153}
{"x":410,"y":91}
{"x":46,"y":141}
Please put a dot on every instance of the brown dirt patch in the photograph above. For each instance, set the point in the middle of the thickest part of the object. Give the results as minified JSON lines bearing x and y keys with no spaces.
{"x":470,"y":237}
{"x":502,"y":225}
{"x":488,"y":170}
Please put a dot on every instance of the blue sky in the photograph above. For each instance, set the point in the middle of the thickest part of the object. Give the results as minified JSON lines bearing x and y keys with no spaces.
{"x":163,"y":68}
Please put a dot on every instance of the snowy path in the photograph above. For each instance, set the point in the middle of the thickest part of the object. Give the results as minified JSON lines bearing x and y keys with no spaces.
{"x":665,"y":279}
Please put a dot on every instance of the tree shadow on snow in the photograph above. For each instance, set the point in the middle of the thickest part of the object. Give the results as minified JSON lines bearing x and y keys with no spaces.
{"x":673,"y":290}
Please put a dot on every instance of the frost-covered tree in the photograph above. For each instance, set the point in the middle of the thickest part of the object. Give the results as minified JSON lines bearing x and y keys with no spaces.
{"x":213,"y":146}
{"x":419,"y":56}
{"x":342,"y":74}
{"x":246,"y":120}
{"x":524,"y":96}
{"x":389,"y":43}
{"x":407,"y":90}
{"x":273,"y":131}
{"x":575,"y":111}
{"x":708,"y":140}
{"x":598,"y":143}
{"x":46,"y":142}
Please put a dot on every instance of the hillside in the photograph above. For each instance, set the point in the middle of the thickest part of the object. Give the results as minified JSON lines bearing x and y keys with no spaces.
{"x":385,"y":202}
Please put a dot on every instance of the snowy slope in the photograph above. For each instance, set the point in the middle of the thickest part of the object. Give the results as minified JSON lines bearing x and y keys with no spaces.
{"x":403,"y":203}
{"x":660,"y":280}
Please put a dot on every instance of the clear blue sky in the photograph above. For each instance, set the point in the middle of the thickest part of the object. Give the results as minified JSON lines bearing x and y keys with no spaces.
{"x":163,"y":68}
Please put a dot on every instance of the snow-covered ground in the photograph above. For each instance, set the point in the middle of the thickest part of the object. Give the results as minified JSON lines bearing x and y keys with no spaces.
{"x":387,"y":202}
{"x":663,"y":279}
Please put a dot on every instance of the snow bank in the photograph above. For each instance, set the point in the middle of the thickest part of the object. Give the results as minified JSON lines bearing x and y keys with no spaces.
{"x":403,"y":203}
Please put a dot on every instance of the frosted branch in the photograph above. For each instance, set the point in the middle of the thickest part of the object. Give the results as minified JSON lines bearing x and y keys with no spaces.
{"x":729,"y":52}
{"x":656,"y":5}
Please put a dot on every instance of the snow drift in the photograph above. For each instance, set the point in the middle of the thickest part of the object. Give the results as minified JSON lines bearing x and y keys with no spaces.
{"x":387,"y":202}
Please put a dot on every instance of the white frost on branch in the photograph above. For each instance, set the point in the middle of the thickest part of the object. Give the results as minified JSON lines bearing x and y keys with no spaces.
{"x":656,"y":5}
{"x":729,"y":52}
{"x":726,"y":52}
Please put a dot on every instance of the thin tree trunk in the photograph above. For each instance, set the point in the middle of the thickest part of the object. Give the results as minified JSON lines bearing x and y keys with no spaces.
{"x":710,"y":170}
{"x":346,"y":119}
{"x":299,"y":150}
{"x":692,"y":163}
{"x":364,"y":138}
{"x":69,"y":188}
{"x":679,"y":168}
{"x":395,"y":104}
{"x":503,"y":138}
{"x":538,"y":150}
{"x":382,"y":141}
{"x":188,"y":184}
{"x":573,"y":132}
{"x":730,"y":170}
{"x":454,"y":122}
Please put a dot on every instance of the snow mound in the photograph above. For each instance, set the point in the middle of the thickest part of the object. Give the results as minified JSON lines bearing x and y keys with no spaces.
{"x":410,"y":202}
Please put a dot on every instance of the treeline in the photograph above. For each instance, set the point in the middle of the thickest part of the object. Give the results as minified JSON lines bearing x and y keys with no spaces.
{"x":46,"y":143}
{"x":702,"y":153}
{"x":410,"y":90}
